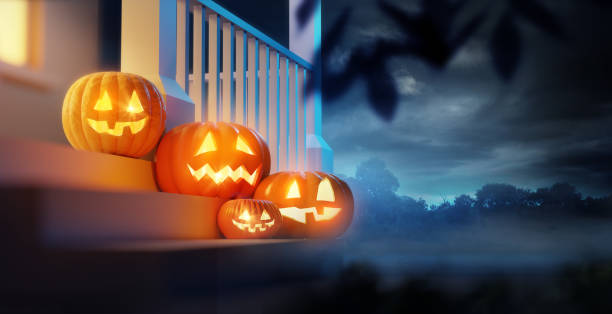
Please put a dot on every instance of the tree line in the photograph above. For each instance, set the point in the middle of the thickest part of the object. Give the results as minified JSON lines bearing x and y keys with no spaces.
{"x":379,"y":209}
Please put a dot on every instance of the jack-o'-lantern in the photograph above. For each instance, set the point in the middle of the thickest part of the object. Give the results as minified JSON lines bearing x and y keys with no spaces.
{"x":219,"y":159}
{"x":115,"y":113}
{"x":313,"y":204}
{"x":247,"y":219}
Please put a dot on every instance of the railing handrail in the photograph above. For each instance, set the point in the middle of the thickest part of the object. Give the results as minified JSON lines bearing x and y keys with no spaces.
{"x":242,"y":24}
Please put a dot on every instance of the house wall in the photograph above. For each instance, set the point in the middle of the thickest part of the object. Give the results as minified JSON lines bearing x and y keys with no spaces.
{"x":31,"y":100}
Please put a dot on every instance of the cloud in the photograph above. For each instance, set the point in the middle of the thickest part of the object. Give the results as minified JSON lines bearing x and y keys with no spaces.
{"x":463,"y":127}
{"x":473,"y":54}
{"x":408,"y":85}
{"x":380,"y":31}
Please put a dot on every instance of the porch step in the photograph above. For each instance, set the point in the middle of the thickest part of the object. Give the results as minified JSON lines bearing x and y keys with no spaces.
{"x":56,"y":196}
{"x":32,"y":163}
{"x":59,"y":217}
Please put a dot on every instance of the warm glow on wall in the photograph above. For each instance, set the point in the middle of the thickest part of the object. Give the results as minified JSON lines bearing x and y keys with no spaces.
{"x":14,"y":32}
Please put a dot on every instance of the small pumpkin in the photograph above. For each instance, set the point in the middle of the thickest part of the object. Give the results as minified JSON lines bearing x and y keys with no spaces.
{"x":249,"y":219}
{"x":219,"y":159}
{"x":115,"y":113}
{"x":313,"y":204}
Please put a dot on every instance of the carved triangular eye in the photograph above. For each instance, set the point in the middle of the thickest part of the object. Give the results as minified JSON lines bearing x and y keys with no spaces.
{"x":245,"y":216}
{"x":294,"y":190}
{"x":104,"y":103}
{"x":325,"y":191}
{"x":208,"y":145}
{"x":134,"y":106}
{"x":242,"y":146}
{"x":265,"y":216}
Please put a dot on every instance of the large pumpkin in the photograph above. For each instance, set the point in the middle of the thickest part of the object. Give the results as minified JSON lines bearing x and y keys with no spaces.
{"x":115,"y":113}
{"x":313,"y":204}
{"x":212,"y":159}
{"x":249,"y":219}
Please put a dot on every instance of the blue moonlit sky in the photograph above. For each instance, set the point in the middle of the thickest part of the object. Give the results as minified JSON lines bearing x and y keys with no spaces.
{"x":459,"y":128}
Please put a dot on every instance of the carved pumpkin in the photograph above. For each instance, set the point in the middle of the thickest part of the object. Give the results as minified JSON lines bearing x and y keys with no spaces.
{"x":313,"y":204}
{"x":115,"y":113}
{"x":246,"y":218}
{"x":212,"y":159}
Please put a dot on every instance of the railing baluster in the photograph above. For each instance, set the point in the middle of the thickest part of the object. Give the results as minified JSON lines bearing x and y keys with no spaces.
{"x":182,"y":40}
{"x":309,"y":116}
{"x":228,"y":71}
{"x":301,"y":128}
{"x":213,"y":68}
{"x":197,"y":92}
{"x":263,"y":91}
{"x":292,"y":116}
{"x":260,"y":83}
{"x":241,"y":55}
{"x":283,"y":133}
{"x":273,"y":110}
{"x":252,"y":84}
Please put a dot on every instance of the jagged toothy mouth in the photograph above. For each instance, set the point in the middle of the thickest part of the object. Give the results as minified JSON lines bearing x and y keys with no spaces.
{"x":225,"y":173}
{"x":299,"y":214}
{"x":253,"y":227}
{"x":102,"y":126}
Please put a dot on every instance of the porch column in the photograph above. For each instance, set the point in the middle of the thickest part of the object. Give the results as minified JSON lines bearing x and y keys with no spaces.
{"x":149,"y":49}
{"x":305,"y":41}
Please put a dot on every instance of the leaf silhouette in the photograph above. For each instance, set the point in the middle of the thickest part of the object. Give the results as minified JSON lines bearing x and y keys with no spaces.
{"x":469,"y":30}
{"x":334,"y":36}
{"x":305,"y":11}
{"x":505,"y":47}
{"x":539,"y":15}
{"x":332,"y":39}
{"x":425,"y":40}
{"x":382,"y":92}
{"x":409,"y":23}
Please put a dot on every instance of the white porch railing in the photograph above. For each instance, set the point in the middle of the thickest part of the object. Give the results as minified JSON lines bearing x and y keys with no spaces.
{"x":246,"y":77}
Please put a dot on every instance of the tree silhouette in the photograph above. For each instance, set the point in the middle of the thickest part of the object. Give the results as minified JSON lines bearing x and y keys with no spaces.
{"x":380,"y":210}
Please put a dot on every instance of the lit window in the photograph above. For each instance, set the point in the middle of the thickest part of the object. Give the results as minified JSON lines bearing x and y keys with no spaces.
{"x":21,"y":36}
{"x":14,"y":32}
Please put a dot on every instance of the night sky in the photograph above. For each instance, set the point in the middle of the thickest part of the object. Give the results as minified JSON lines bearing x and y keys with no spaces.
{"x":463,"y":126}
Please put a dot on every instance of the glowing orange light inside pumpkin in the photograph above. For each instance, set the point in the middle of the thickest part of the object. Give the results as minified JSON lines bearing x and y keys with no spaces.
{"x":245,"y":216}
{"x":208,"y":145}
{"x":265,"y":215}
{"x":221,"y":175}
{"x":134,"y":106}
{"x":294,"y":190}
{"x":265,"y":222}
{"x":242,"y":146}
{"x":104,"y":103}
{"x":325,"y":191}
{"x":299,"y":214}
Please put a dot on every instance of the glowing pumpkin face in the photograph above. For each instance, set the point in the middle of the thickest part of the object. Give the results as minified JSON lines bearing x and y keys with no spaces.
{"x":212,"y":159}
{"x":112,"y":112}
{"x":246,"y":218}
{"x":313,"y":204}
